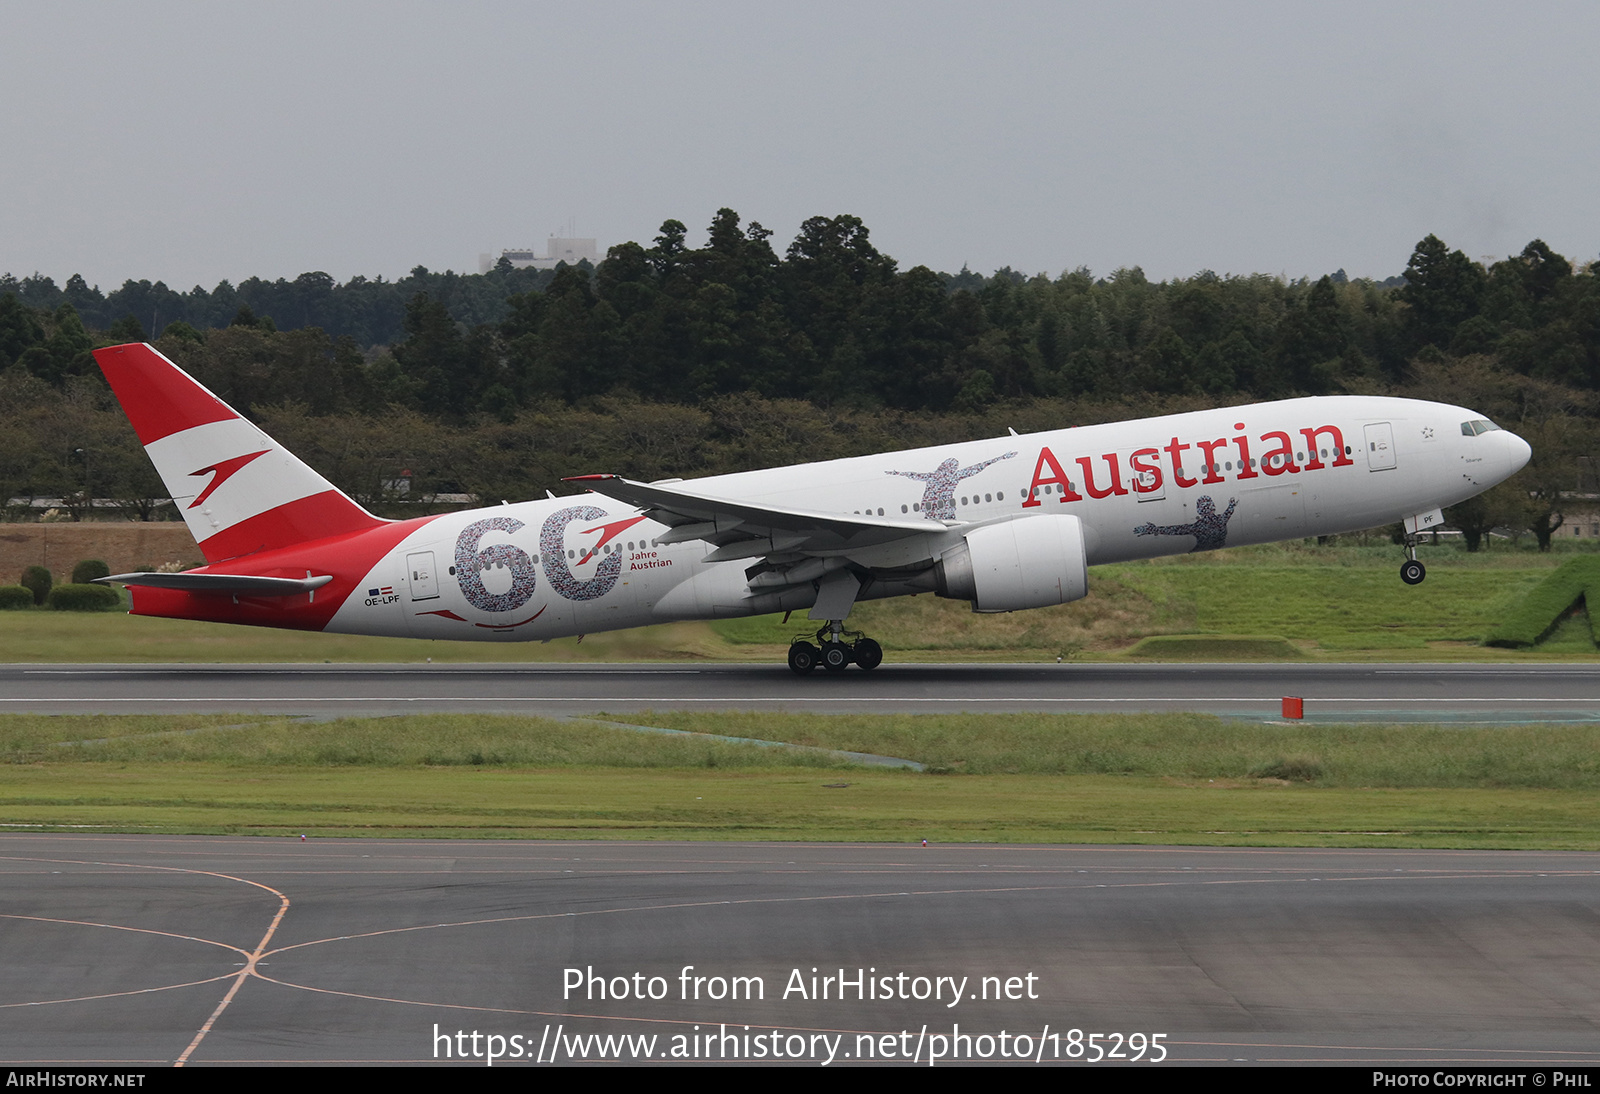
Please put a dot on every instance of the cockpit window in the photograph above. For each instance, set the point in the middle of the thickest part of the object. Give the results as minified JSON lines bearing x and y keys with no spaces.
{"x":1473,"y":429}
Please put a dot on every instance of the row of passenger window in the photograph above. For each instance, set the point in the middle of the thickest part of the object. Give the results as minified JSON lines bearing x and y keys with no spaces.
{"x":916,"y":506}
{"x":609,"y":548}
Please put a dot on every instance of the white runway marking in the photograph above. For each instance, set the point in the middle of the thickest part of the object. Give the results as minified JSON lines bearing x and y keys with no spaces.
{"x":786,"y":699}
{"x":155,"y":670}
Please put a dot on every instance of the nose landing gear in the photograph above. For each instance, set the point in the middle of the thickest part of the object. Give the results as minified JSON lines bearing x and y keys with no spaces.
{"x":835,"y":649}
{"x":1411,"y":570}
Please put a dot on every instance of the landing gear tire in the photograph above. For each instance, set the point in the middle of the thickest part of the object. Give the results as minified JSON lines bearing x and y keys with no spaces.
{"x":835,"y":656}
{"x":1412,"y":572}
{"x":803,"y":657}
{"x":835,"y":649}
{"x":868,"y":654}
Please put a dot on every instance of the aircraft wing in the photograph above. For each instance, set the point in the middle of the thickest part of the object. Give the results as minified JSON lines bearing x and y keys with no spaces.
{"x":742,"y":529}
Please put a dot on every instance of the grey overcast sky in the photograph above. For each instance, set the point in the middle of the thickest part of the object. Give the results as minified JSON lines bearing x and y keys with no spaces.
{"x":191,"y":142}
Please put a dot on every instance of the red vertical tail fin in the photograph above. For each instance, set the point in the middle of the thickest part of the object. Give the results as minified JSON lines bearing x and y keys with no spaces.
{"x":238,"y":490}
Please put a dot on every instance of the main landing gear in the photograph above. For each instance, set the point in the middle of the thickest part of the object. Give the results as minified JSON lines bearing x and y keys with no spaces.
{"x":833,"y":652}
{"x":1411,"y":570}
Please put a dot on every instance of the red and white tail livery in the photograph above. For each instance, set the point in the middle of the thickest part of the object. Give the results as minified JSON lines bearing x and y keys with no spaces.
{"x":237,"y":489}
{"x":1007,"y":524}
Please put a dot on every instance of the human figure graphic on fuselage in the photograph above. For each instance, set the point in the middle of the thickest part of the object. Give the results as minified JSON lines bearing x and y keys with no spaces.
{"x":1210,"y":528}
{"x":939,"y":497}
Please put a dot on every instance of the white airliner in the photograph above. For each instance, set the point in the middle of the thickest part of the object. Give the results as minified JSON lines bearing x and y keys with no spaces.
{"x":1007,"y":524}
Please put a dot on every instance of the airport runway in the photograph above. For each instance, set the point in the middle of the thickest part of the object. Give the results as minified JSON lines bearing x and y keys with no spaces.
{"x":145,"y":951}
{"x":1383,"y":692}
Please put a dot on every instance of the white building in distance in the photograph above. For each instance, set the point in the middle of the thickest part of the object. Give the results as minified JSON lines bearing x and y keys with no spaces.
{"x":557,"y":250}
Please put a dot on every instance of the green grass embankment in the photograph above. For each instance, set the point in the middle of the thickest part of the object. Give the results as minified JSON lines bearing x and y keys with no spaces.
{"x":1541,"y":610}
{"x":1130,"y":779}
{"x":1215,"y":647}
{"x":1335,"y":603}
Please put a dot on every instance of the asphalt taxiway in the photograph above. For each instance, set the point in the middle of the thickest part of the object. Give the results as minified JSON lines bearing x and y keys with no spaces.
{"x":147,"y":951}
{"x":1345,"y":692}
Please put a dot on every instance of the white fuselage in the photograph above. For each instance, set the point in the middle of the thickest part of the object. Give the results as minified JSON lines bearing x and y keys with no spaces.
{"x":1155,"y":486}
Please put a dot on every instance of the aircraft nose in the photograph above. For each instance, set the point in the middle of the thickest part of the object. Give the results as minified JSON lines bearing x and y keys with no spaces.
{"x":1518,"y":452}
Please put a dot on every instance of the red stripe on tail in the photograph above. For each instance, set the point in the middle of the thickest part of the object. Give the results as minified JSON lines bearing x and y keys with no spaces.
{"x":319,"y":516}
{"x":157,"y":396}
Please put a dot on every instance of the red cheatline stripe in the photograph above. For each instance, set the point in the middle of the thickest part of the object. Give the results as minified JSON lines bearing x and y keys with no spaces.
{"x":348,"y":558}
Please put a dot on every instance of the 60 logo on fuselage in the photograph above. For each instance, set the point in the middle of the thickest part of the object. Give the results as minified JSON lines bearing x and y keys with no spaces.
{"x":552,"y":546}
{"x":472,"y":561}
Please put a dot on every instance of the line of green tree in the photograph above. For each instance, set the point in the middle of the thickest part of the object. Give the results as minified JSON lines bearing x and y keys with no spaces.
{"x":834,"y":320}
{"x":668,"y":360}
{"x":371,"y":312}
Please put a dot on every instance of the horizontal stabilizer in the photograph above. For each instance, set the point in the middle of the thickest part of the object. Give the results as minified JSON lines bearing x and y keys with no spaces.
{"x":221,"y":583}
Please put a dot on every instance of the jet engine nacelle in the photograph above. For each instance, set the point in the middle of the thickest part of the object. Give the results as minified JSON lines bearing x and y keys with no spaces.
{"x":1031,"y":562}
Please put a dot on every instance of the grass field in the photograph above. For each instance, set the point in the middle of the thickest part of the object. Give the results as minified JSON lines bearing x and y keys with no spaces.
{"x":1336,"y":603}
{"x":1105,"y":779}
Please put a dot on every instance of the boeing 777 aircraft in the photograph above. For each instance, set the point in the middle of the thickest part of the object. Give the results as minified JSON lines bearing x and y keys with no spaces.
{"x":1007,"y":524}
